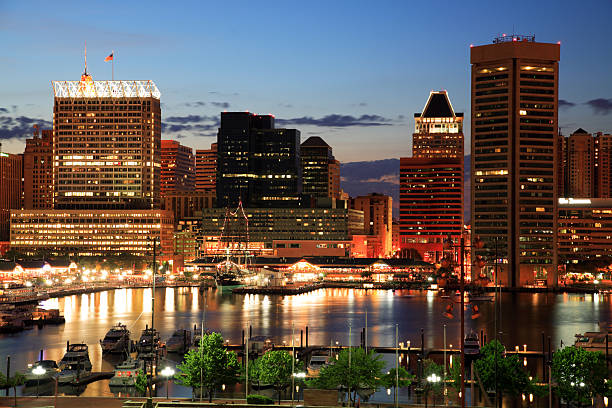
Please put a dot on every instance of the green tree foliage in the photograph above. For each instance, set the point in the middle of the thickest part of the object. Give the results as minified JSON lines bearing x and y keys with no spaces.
{"x":364,"y":372}
{"x":141,"y":382}
{"x":12,"y":382}
{"x":404,"y":378}
{"x":494,"y":366}
{"x":274,"y":367}
{"x":435,"y":388}
{"x":580,"y":374}
{"x":209,"y":366}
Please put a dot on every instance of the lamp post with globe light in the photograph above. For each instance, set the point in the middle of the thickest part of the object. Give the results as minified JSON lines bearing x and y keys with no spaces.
{"x":38,"y":371}
{"x":433,"y":379}
{"x":167,"y":372}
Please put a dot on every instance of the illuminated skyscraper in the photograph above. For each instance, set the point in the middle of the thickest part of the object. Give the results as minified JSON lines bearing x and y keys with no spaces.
{"x":106,"y":144}
{"x":514,"y":147}
{"x":11,"y":189}
{"x":206,"y":168}
{"x":320,"y":170}
{"x":257,"y":163}
{"x":431,"y":181}
{"x":177,"y":167}
{"x":38,"y":171}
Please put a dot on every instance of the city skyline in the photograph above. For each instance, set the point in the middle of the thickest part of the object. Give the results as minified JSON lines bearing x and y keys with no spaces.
{"x":349,"y":83}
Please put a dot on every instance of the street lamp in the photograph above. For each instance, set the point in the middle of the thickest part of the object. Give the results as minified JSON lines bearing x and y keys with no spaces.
{"x":167,"y":372}
{"x":38,"y":371}
{"x":433,"y":379}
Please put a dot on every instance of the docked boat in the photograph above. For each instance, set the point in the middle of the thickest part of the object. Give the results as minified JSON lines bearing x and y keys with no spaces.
{"x":126,"y":373}
{"x":148,"y":343}
{"x":594,"y":341}
{"x":179,"y":342}
{"x":317,"y":361}
{"x":75,"y":364}
{"x":47,"y":316}
{"x":116,"y":340}
{"x":471,"y":344}
{"x":51,"y":371}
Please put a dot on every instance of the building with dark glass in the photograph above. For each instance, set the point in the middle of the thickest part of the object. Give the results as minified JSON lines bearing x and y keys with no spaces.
{"x":320,"y":170}
{"x":257,"y":163}
{"x":514,"y":126}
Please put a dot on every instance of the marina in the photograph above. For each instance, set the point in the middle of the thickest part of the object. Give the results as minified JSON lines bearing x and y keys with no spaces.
{"x":327,"y":313}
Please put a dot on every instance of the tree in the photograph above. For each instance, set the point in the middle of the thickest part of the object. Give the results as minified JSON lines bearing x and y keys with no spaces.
{"x":274,"y":367}
{"x":580,"y":374}
{"x":141,"y":382}
{"x":12,"y":382}
{"x":363,"y":373}
{"x":499,"y":371}
{"x":209,"y":367}
{"x":402,"y":380}
{"x":430,"y":368}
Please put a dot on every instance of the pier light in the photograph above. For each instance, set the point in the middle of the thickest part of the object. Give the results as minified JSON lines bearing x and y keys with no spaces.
{"x":167,"y":372}
{"x":222,"y":387}
{"x":525,"y":347}
{"x":525,"y":361}
{"x":605,"y":400}
{"x":38,"y":371}
{"x":389,"y":391}
{"x":530,"y":397}
{"x":517,"y":348}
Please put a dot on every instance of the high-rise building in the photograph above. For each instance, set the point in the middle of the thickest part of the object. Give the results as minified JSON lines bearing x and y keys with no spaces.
{"x":603,"y":165}
{"x":431,"y":181}
{"x":378,"y":222}
{"x":186,"y":204}
{"x":257,"y":163}
{"x":514,"y":145}
{"x":580,"y":156}
{"x":11,"y":190}
{"x":106,"y":144}
{"x":206,"y":168}
{"x":38,"y":171}
{"x":320,"y":170}
{"x":106,"y":174}
{"x":177,"y":167}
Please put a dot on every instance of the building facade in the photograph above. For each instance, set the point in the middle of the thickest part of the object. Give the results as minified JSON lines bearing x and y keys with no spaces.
{"x":177,"y":167}
{"x":91,"y":232}
{"x":320,"y":170}
{"x":585,"y":229}
{"x":206,"y":168}
{"x":514,"y":92}
{"x":106,"y":144}
{"x":377,"y":221}
{"x":257,"y":163}
{"x":11,"y":189}
{"x":580,"y":157}
{"x":186,"y":204}
{"x":38,"y":171}
{"x":431,"y":181}
{"x":603,"y":165}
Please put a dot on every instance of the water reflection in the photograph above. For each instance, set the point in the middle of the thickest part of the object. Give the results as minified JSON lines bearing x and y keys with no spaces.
{"x":326,"y":312}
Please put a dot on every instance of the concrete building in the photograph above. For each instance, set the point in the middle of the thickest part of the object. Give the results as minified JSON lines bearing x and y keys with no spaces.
{"x":186,"y":204}
{"x":378,"y":222}
{"x":257,"y":163}
{"x":91,"y":232}
{"x":514,"y":122}
{"x":585,"y":229}
{"x":603,"y":165}
{"x":38,"y":171}
{"x":580,"y":158}
{"x":206,"y":168}
{"x":320,"y":170}
{"x":177,"y":167}
{"x":106,"y":144}
{"x":431,"y":181}
{"x":11,"y":189}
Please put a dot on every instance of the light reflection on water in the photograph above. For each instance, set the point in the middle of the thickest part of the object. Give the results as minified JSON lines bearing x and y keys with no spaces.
{"x":327,"y":313}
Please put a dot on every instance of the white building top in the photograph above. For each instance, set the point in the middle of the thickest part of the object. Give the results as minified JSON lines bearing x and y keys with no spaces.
{"x":88,"y":88}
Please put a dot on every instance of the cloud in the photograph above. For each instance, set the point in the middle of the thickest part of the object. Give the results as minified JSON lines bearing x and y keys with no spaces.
{"x":223,"y":105}
{"x":198,"y":125}
{"x":387,"y":178}
{"x":19,"y":127}
{"x":336,"y":120}
{"x":196,"y":104}
{"x":600,"y":106}
{"x":566,"y":104}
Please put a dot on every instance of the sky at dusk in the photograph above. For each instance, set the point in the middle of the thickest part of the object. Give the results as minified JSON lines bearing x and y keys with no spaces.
{"x":352,"y":72}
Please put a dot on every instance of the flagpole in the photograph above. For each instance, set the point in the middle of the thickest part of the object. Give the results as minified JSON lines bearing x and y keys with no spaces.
{"x":113,"y":65}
